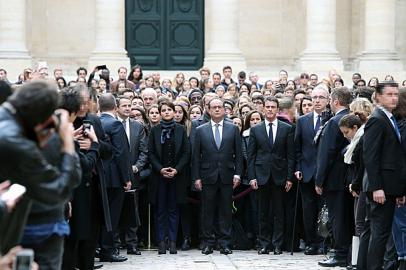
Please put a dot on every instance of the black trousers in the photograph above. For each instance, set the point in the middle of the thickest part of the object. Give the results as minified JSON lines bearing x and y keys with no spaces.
{"x":270,"y":209}
{"x":116,"y":199}
{"x":378,"y":227}
{"x":311,"y":207}
{"x":341,"y":215}
{"x":217,"y":196}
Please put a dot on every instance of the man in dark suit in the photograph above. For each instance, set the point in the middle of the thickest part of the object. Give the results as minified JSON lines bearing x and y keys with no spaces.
{"x":270,"y":170}
{"x":306,"y":153}
{"x":216,"y":170}
{"x":138,"y":159}
{"x":384,"y":181}
{"x":117,"y":171}
{"x":331,"y":178}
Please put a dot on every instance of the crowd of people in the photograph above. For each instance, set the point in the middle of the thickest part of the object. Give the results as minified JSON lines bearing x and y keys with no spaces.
{"x":208,"y":162}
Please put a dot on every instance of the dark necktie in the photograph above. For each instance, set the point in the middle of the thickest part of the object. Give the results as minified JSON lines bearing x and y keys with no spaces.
{"x":396,"y":127}
{"x":217,"y":137}
{"x":318,"y":123}
{"x":270,"y":135}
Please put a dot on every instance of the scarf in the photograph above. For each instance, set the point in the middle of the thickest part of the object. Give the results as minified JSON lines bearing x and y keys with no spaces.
{"x":167,"y":127}
{"x":353,"y":144}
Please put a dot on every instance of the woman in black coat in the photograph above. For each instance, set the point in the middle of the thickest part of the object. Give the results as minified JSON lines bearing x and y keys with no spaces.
{"x":169,"y":153}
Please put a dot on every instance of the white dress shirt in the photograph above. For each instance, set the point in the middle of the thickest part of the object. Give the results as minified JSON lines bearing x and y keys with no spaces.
{"x":213,"y":128}
{"x":126,"y":126}
{"x":274,"y":127}
{"x":315,"y":116}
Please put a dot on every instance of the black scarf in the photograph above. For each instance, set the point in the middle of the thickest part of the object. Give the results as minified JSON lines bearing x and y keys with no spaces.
{"x":167,"y":127}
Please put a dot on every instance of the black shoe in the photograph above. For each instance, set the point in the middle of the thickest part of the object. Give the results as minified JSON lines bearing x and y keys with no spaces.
{"x":172,"y":247}
{"x":97,"y":253}
{"x":207,"y":250}
{"x":277,"y":251}
{"x":351,"y":267}
{"x":333,"y":262}
{"x":186,"y":244}
{"x":97,"y":265}
{"x":311,"y":251}
{"x":162,"y":248}
{"x":226,"y":251}
{"x":263,"y":251}
{"x":202,"y":245}
{"x":133,"y":251}
{"x":112,"y":258}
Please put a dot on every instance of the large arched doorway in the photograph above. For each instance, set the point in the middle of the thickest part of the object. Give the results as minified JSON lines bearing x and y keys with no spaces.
{"x":165,"y":34}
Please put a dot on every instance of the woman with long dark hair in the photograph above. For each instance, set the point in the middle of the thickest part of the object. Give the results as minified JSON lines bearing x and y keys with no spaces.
{"x":169,"y":155}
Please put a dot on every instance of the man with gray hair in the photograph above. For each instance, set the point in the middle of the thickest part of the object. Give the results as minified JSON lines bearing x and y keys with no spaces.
{"x":149,"y":97}
{"x":331,"y":178}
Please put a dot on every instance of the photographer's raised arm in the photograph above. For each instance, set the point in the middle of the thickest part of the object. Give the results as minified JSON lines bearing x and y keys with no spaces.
{"x":44,"y":182}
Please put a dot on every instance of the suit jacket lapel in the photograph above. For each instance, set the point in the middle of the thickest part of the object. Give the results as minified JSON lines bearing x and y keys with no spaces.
{"x":225,"y":132}
{"x":133,"y":137}
{"x":389,"y":122}
{"x":278,"y":134}
{"x":266,"y":134}
{"x":211,"y":135}
{"x":310,"y":123}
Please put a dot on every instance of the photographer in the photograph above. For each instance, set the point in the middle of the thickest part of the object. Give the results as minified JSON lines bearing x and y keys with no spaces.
{"x":26,"y":123}
{"x":46,"y":225}
{"x":78,"y":245}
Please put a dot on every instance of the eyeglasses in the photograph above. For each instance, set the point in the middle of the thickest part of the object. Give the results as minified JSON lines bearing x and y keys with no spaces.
{"x":318,"y":97}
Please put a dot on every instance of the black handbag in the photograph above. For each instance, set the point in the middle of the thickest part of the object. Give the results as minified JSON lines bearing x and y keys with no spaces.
{"x":323,"y":224}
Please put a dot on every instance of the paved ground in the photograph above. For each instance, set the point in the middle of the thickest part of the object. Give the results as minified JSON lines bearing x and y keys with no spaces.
{"x":242,"y":260}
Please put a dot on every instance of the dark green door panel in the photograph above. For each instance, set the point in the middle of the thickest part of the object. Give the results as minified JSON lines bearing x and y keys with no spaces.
{"x":165,"y":34}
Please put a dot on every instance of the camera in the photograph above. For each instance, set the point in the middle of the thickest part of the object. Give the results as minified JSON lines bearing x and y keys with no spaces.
{"x":24,"y":259}
{"x":86,"y":127}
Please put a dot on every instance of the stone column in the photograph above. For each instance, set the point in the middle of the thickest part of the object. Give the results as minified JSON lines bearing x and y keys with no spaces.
{"x":320,"y":53}
{"x":14,"y":56}
{"x":222,"y":31}
{"x":110,"y":36}
{"x":379,"y":41}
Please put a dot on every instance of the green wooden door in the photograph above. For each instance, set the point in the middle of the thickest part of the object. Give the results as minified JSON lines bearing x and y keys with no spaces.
{"x":165,"y":34}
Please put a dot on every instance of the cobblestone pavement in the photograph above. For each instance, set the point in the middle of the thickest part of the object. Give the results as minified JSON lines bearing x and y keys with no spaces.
{"x":241,"y":260}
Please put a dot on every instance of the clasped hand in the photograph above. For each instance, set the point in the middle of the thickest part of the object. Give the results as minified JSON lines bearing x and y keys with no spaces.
{"x":168,"y":172}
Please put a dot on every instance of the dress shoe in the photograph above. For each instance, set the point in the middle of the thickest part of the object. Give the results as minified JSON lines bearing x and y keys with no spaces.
{"x":186,"y":244}
{"x":207,"y":250}
{"x":263,"y":251}
{"x":172,"y":247}
{"x":226,"y":251}
{"x":97,"y":265}
{"x":202,"y":245}
{"x":333,"y":262}
{"x":277,"y":251}
{"x":112,"y":258}
{"x":133,"y":251}
{"x":162,"y":248}
{"x":351,"y":267}
{"x":311,"y":251}
{"x":97,"y":253}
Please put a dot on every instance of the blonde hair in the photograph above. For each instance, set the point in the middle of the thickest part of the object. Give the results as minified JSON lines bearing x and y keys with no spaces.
{"x":361,"y":106}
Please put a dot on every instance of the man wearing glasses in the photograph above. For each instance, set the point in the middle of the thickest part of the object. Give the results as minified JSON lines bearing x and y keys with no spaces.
{"x":306,"y":153}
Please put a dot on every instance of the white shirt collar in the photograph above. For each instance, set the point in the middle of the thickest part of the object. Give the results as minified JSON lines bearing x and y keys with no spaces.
{"x":214,"y":123}
{"x":388,"y":113}
{"x":274,"y":122}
